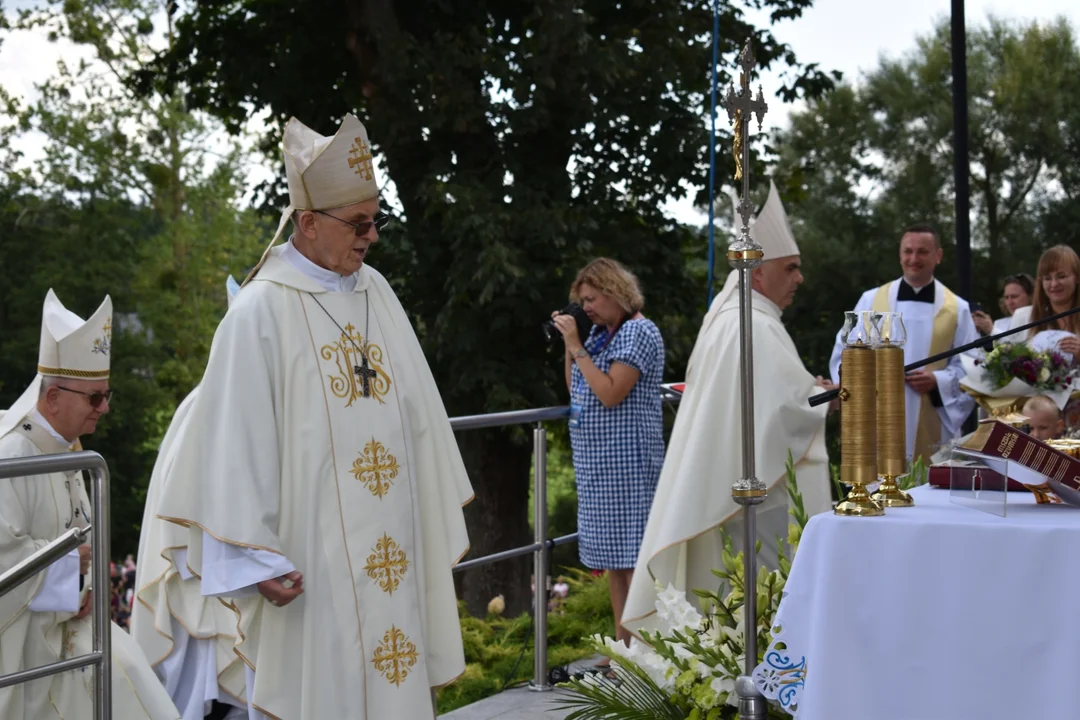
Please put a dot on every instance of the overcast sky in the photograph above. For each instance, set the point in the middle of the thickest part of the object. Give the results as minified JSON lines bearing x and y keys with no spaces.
{"x":845,"y":35}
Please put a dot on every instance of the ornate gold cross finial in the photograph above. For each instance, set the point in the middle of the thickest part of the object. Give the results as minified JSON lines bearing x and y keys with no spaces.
{"x":742,"y":106}
{"x":361,"y":158}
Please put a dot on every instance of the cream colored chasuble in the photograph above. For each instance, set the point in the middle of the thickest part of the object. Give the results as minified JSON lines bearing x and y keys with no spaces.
{"x":346,"y":465}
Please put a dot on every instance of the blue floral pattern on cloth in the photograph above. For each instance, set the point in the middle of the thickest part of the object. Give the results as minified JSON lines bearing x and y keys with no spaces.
{"x":780,"y":677}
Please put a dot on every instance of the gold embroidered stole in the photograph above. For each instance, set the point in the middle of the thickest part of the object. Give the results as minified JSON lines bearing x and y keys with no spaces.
{"x":928,"y":428}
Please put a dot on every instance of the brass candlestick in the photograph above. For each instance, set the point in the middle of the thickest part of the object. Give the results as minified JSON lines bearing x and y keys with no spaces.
{"x":858,"y":434}
{"x":891,"y":433}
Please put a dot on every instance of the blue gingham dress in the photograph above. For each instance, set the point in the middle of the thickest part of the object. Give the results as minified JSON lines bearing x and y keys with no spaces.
{"x":618,"y":451}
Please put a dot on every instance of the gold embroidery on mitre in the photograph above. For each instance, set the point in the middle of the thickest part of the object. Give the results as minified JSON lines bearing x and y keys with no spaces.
{"x":103,"y":343}
{"x":361,"y":158}
{"x":376,"y":468}
{"x":395,"y":656}
{"x":387,"y":564}
{"x":348,"y":384}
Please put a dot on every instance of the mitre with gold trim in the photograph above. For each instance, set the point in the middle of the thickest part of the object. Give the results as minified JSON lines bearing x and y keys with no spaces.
{"x":70,"y":348}
{"x":325,"y":172}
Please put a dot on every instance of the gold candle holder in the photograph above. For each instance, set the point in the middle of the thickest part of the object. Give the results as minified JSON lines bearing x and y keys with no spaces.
{"x":891,"y":432}
{"x":858,"y":417}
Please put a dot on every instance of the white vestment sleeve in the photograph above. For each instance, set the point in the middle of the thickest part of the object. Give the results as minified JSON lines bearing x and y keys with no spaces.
{"x":180,"y":561}
{"x":956,"y":404}
{"x":233,"y":571}
{"x":865,"y":303}
{"x":60,"y":590}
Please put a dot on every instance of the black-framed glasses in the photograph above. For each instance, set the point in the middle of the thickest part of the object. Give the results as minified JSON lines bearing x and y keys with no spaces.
{"x":361,"y":229}
{"x":95,"y":398}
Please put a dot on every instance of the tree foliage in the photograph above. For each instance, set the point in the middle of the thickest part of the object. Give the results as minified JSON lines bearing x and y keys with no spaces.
{"x":129,"y":200}
{"x":865,"y":161}
{"x":521,"y":139}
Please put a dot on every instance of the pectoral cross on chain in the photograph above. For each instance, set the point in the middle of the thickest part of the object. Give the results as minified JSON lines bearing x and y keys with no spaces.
{"x":364,"y":374}
{"x":741,"y":107}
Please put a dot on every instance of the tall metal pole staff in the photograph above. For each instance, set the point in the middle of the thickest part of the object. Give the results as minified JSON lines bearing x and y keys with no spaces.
{"x":744,"y":255}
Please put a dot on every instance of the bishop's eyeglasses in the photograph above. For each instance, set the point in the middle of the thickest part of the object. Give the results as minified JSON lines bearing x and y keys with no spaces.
{"x":361,"y":229}
{"x":96,"y":398}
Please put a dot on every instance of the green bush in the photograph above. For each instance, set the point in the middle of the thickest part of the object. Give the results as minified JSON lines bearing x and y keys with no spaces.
{"x":493,"y":646}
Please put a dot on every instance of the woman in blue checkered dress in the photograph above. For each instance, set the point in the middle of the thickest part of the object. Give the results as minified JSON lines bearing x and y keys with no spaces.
{"x":616,"y":421}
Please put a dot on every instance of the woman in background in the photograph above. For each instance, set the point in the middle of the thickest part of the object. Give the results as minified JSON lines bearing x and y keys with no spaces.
{"x":616,"y":421}
{"x":1015,"y":294}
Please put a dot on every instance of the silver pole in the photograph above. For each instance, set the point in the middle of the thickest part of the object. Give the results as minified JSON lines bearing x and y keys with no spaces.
{"x":41,"y":559}
{"x":540,"y":519}
{"x":51,"y":669}
{"x":744,"y":255}
{"x":102,"y":621}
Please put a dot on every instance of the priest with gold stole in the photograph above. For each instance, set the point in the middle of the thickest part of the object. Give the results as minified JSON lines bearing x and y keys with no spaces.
{"x":188,"y":638}
{"x":317,"y":472}
{"x":48,"y":618}
{"x":936,"y":320}
{"x":693,"y":500}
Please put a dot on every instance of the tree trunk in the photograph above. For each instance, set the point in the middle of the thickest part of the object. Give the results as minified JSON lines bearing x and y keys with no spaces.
{"x":497,"y":519}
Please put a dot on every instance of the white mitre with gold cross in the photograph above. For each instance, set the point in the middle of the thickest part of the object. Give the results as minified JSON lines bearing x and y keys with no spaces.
{"x":324,"y":172}
{"x":70,"y":348}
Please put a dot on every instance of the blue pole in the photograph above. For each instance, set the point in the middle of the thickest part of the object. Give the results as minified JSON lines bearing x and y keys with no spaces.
{"x":712,"y":145}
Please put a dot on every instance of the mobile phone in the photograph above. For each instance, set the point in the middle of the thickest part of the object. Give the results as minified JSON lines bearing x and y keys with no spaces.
{"x":976,"y":307}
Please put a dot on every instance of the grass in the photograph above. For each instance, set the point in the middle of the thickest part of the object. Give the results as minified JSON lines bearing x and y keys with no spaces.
{"x":493,"y":646}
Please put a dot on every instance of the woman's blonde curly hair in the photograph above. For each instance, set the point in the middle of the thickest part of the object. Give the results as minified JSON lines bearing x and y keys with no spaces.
{"x":612,"y":279}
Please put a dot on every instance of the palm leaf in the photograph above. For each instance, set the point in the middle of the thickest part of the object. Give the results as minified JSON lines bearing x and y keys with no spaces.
{"x":636,"y":697}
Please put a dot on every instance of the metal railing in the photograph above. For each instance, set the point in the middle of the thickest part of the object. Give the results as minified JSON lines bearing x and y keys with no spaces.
{"x":541,"y":546}
{"x":101,"y":654}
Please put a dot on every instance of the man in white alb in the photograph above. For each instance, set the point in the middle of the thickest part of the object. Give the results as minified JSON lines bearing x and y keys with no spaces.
{"x":48,"y":618}
{"x":704,"y":457}
{"x":317,"y":472}
{"x":936,"y":320}
{"x":188,"y":638}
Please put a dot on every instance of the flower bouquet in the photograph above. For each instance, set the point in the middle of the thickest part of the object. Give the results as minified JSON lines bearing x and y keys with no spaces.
{"x":686,"y":669}
{"x":1016,"y":370}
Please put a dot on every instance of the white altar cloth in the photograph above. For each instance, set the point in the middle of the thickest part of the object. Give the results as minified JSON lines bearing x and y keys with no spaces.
{"x":935,"y":612}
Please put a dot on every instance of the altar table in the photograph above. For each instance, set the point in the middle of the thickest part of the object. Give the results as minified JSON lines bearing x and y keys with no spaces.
{"x":934,"y":612}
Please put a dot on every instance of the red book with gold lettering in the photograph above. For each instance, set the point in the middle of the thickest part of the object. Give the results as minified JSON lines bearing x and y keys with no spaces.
{"x":1058,"y":468}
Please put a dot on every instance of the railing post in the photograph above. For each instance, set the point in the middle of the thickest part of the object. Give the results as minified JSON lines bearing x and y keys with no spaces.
{"x":540,"y":571}
{"x":102,"y":598}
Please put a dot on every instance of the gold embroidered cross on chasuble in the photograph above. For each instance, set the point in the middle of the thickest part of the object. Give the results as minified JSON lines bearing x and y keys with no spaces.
{"x":369,"y":430}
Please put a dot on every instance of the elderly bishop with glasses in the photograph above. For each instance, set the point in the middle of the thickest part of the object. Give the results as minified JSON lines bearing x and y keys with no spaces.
{"x":317,"y":472}
{"x":47,"y":618}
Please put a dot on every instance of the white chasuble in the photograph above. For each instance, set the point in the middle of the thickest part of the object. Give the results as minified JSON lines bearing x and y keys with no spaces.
{"x":319,"y":435}
{"x":932,"y":328}
{"x":187,"y":638}
{"x":682,"y":544}
{"x":34,"y":511}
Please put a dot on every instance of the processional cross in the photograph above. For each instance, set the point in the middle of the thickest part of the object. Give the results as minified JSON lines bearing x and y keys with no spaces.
{"x":744,"y":255}
{"x":742,"y":106}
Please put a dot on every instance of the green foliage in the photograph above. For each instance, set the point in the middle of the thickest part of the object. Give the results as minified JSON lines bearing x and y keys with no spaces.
{"x":918,"y":474}
{"x":863,"y":162}
{"x":129,"y":200}
{"x":493,"y":646}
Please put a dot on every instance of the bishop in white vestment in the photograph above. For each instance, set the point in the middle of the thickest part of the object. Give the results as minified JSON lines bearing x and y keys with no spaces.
{"x":317,"y":472}
{"x":47,"y":618}
{"x":188,"y":638}
{"x":936,"y":320}
{"x":693,"y":500}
